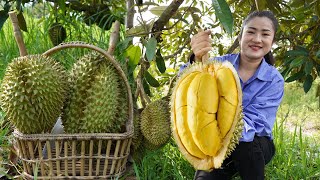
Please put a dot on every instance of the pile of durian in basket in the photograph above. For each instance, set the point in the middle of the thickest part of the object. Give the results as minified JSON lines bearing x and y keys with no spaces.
{"x":91,"y":98}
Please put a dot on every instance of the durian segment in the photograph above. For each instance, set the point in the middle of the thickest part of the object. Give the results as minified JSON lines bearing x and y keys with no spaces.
{"x":227,"y":84}
{"x":155,"y":123}
{"x":33,"y":91}
{"x":202,"y":108}
{"x":181,"y":109}
{"x":185,"y":134}
{"x":225,"y":116}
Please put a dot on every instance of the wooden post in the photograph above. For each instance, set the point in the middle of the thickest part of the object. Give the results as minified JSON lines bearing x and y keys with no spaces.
{"x":17,"y":33}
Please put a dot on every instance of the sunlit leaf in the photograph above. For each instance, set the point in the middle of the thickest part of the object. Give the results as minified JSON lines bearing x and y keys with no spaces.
{"x":151,"y":48}
{"x":151,"y":80}
{"x":134,"y":31}
{"x":224,"y":14}
{"x":134,"y":54}
{"x":158,"y":10}
{"x":261,"y":4}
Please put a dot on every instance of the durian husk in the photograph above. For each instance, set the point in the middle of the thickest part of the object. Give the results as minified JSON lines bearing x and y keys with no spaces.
{"x":229,"y":141}
{"x":155,"y":124}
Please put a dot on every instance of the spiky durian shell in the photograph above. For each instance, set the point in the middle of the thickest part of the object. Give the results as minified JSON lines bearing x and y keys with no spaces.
{"x":155,"y":124}
{"x":57,"y":33}
{"x":33,"y":92}
{"x":101,"y":106}
{"x":96,"y":103}
{"x":201,"y":87}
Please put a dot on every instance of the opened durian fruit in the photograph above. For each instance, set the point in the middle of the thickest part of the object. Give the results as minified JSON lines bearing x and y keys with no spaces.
{"x":206,"y":113}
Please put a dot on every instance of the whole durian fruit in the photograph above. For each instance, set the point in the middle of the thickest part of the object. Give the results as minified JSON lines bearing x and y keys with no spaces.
{"x":155,"y":124}
{"x":57,"y":33}
{"x":95,"y":98}
{"x":206,"y":113}
{"x":33,"y":91}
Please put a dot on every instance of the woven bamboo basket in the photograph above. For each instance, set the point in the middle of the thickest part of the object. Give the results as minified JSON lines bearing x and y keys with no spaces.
{"x":76,"y":156}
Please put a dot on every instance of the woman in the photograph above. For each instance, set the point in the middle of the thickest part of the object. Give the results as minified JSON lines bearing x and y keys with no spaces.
{"x":262,"y":87}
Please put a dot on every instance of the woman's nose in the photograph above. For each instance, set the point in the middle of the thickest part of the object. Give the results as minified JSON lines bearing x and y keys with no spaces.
{"x":257,"y":38}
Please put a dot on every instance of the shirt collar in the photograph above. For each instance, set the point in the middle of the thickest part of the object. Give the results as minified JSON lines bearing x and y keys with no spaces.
{"x":263,"y":71}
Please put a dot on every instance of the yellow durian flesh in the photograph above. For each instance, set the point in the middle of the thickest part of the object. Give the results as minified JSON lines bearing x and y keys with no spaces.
{"x":206,"y":109}
{"x":181,"y":108}
{"x":202,"y":105}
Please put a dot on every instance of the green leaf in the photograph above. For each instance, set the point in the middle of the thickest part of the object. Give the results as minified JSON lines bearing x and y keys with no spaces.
{"x":220,"y":49}
{"x":308,"y":67}
{"x":296,"y":76}
{"x":151,"y":80}
{"x":146,"y":87}
{"x":22,"y":22}
{"x":158,"y":10}
{"x":160,"y":62}
{"x":3,"y":17}
{"x":134,"y":54}
{"x":308,"y":83}
{"x":261,"y":4}
{"x":297,"y":62}
{"x":4,"y":14}
{"x":318,"y":91}
{"x":151,"y":48}
{"x":318,"y":54}
{"x":224,"y":14}
{"x":298,"y":52}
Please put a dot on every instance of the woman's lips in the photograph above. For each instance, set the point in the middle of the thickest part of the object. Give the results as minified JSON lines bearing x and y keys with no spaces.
{"x":255,"y":48}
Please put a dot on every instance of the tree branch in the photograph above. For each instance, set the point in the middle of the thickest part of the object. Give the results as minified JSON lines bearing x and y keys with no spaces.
{"x":114,"y":37}
{"x":234,"y":45}
{"x":165,"y":17}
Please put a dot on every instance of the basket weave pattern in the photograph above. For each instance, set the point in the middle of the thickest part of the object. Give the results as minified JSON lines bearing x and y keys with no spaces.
{"x":77,"y":156}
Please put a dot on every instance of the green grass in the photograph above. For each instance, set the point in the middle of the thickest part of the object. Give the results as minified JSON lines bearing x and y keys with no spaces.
{"x":296,"y":132}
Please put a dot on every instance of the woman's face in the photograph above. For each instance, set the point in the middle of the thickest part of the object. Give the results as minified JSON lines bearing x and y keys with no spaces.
{"x":257,"y":38}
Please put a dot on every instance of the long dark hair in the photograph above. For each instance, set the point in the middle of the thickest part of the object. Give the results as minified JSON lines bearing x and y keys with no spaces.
{"x":268,"y":14}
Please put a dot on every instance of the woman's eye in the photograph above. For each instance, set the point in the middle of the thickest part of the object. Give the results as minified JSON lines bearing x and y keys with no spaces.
{"x":266,"y":34}
{"x":250,"y":32}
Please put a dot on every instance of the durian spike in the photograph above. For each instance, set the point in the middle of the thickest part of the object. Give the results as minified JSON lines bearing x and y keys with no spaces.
{"x":17,"y":33}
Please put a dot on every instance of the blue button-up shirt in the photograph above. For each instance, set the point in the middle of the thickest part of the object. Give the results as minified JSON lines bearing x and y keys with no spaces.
{"x":262,"y":95}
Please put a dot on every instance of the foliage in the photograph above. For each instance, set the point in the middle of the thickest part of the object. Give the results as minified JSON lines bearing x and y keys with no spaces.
{"x":303,"y":150}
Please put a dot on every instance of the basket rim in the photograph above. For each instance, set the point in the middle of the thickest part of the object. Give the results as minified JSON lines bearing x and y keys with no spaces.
{"x":108,"y":57}
{"x":76,"y":136}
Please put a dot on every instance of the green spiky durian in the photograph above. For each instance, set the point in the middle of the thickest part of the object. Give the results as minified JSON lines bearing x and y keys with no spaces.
{"x":57,"y":33}
{"x":95,"y":99}
{"x":33,"y":92}
{"x":155,"y":124}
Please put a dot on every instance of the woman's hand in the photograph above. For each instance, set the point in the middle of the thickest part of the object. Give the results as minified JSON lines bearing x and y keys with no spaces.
{"x":201,"y":45}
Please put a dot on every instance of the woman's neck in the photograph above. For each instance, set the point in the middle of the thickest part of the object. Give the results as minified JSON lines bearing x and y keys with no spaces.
{"x":247,"y":68}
